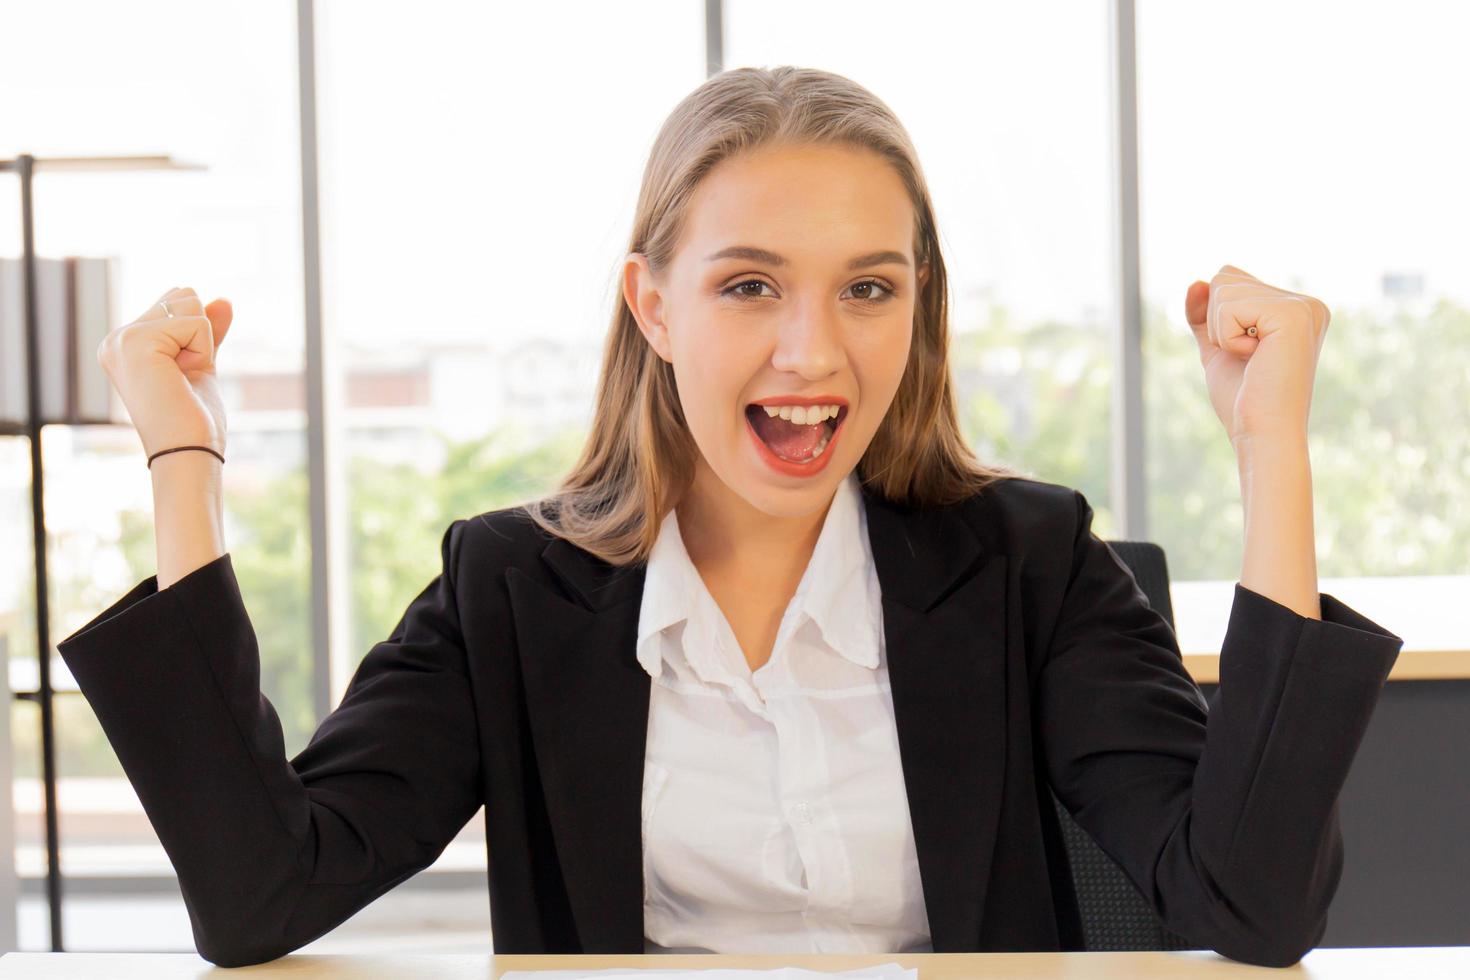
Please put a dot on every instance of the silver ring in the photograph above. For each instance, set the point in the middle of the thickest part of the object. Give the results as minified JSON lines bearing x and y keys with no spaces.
{"x":166,"y":311}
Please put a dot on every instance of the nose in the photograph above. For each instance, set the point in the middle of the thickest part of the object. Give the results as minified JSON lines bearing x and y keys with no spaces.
{"x":809,"y":342}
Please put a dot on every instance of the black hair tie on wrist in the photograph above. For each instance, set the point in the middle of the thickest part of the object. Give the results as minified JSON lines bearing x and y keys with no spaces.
{"x":179,"y":449}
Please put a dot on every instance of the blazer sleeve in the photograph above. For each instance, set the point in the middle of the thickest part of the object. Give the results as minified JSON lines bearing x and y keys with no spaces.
{"x":270,"y":853}
{"x":1223,"y":814}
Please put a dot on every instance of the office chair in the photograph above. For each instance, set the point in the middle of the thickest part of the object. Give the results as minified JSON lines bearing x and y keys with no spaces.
{"x":1115,"y":915}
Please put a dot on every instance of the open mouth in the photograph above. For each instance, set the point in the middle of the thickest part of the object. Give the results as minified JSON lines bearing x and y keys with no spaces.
{"x":790,"y":440}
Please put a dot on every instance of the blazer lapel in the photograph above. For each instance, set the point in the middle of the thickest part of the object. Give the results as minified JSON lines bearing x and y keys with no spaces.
{"x":944,"y":606}
{"x":944,"y":623}
{"x":587,"y":699}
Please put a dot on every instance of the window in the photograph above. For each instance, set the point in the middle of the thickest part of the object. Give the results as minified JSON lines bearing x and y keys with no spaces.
{"x":1315,"y":155}
{"x":213,"y":84}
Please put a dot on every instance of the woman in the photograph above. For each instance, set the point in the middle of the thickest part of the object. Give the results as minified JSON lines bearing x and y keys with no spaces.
{"x":755,"y":683}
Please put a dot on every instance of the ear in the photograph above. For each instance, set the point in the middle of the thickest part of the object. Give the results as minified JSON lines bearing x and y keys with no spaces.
{"x":923,"y":274}
{"x":644,"y":300}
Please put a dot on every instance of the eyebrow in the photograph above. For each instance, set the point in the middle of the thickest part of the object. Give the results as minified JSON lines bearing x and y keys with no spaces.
{"x":754,"y":254}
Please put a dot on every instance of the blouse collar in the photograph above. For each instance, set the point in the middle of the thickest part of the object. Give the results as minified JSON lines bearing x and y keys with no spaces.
{"x":838,"y":591}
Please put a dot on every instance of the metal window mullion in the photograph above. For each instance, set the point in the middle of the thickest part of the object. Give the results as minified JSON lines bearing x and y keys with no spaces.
{"x":1129,"y":492}
{"x":323,"y":480}
{"x":714,"y":37}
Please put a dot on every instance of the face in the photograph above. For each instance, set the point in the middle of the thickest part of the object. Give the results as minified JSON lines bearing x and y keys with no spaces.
{"x":821,"y":314}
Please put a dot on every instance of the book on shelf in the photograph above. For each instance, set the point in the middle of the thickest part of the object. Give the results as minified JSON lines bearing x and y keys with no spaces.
{"x":74,"y":311}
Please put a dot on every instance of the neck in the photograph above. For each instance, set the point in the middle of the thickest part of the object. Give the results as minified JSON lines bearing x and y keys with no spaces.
{"x":721,"y":530}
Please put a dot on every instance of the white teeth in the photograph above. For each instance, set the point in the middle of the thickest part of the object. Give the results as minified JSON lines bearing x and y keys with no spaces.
{"x":803,"y":414}
{"x":826,"y":438}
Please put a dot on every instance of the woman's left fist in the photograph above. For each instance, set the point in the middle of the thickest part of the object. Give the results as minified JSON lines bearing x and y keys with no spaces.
{"x":1259,"y":345}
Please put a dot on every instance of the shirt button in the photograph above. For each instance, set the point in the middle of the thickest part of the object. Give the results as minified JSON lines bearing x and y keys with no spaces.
{"x":802,"y":813}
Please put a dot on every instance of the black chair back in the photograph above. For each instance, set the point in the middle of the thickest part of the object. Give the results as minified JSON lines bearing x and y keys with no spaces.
{"x":1115,"y":915}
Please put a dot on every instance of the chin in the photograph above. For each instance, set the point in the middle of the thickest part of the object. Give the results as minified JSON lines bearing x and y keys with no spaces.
{"x":798,"y":498}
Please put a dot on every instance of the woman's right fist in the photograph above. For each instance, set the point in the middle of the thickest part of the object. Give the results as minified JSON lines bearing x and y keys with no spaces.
{"x":162,"y":366}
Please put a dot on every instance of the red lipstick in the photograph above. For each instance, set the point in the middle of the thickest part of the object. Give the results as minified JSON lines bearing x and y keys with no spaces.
{"x":788,"y":467}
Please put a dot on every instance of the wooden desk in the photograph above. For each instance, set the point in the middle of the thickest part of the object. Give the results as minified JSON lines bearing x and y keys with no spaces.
{"x":1331,"y":964}
{"x":1411,"y":665}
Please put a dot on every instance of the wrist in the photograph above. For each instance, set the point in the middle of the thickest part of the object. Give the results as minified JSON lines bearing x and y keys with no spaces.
{"x":1276,"y":443}
{"x":190,"y":475}
{"x":190,"y":462}
{"x":188,"y":513}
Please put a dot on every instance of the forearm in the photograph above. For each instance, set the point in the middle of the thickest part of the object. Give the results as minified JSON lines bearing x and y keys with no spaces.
{"x":1280,"y":560}
{"x":188,"y":513}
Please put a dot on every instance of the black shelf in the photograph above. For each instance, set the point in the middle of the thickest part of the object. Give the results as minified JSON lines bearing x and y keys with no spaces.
{"x":25,"y":166}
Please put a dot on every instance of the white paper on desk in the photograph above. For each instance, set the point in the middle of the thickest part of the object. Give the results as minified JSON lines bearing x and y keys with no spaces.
{"x":886,"y":971}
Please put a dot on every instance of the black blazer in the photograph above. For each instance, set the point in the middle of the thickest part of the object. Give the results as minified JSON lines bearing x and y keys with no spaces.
{"x":1021,"y":652}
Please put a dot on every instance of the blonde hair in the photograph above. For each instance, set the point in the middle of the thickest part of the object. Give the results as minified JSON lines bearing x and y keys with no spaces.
{"x":639,"y":456}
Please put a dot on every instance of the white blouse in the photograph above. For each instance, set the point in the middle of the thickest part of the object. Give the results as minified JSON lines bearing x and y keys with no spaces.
{"x":775,"y":818}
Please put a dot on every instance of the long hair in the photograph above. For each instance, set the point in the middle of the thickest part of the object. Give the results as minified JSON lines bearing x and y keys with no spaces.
{"x":638,"y":459}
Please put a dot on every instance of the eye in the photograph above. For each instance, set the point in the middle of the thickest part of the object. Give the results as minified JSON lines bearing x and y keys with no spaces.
{"x":731,"y":291}
{"x":869,"y":283}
